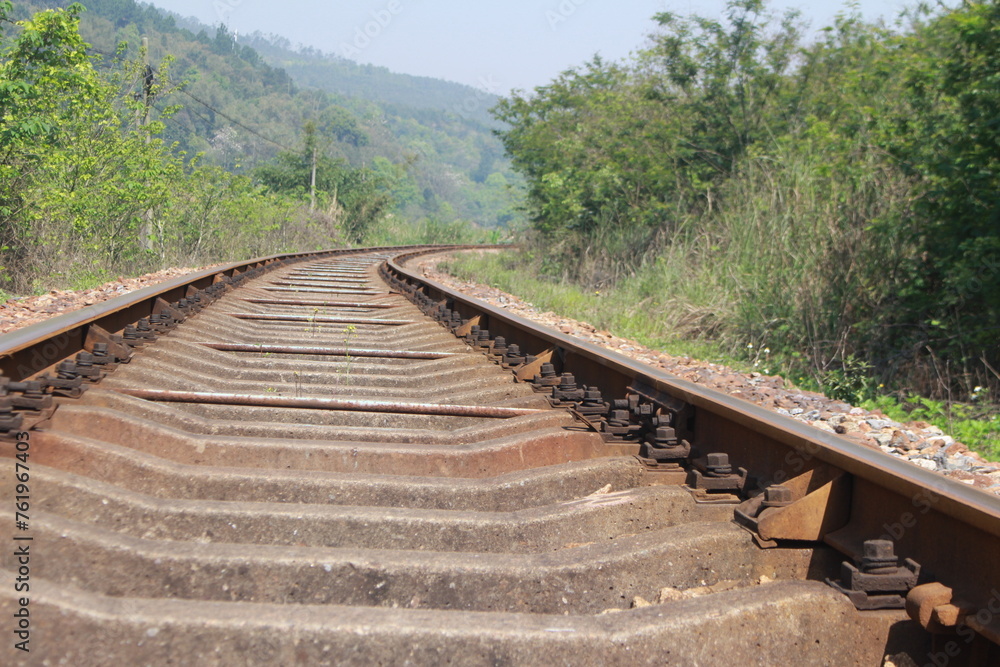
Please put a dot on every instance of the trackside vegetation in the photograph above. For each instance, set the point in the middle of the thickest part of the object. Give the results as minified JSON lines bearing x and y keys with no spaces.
{"x":111,"y":166}
{"x":833,"y":200}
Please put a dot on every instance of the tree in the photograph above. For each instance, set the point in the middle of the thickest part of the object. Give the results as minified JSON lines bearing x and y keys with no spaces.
{"x":949,"y":136}
{"x":355,"y":197}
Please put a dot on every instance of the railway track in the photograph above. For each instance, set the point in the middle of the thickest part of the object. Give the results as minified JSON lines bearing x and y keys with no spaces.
{"x":325,"y":459}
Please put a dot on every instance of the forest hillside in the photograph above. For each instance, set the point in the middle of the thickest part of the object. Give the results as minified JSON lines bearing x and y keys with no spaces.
{"x":133,"y":139}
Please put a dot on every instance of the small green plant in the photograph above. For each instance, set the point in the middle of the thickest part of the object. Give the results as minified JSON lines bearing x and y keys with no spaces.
{"x":852,"y":382}
{"x":88,"y":279}
{"x":349,"y":332}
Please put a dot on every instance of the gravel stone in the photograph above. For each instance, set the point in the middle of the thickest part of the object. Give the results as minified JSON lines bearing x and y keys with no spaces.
{"x":20,"y":312}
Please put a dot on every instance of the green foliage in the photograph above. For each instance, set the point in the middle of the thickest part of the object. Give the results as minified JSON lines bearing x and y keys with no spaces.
{"x":74,"y":163}
{"x":636,"y":146}
{"x":237,"y":107}
{"x":105,"y":169}
{"x":355,"y":198}
{"x":392,"y":230}
{"x":726,"y":77}
{"x":843,"y":211}
{"x":89,"y":189}
{"x":852,"y":382}
{"x":619,"y":308}
{"x":949,"y":137}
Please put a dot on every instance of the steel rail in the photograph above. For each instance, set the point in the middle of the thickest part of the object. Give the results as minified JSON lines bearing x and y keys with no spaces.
{"x":960,"y":500}
{"x":360,"y":483}
{"x":328,"y":351}
{"x":29,"y":351}
{"x":312,"y":403}
{"x":888,"y":491}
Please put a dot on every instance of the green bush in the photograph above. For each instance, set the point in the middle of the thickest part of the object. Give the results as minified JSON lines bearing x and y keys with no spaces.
{"x":836,"y":201}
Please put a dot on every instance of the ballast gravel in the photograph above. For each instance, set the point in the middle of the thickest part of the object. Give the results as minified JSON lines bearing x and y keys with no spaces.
{"x":20,"y":312}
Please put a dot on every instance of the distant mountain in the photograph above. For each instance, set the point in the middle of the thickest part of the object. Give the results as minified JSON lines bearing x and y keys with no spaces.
{"x":313,"y":68}
{"x":243,"y":101}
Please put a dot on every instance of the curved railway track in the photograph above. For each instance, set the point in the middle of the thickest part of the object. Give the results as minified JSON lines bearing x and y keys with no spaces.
{"x":327,"y":459}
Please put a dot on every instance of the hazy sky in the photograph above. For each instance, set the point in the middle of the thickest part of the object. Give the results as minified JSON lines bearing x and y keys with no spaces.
{"x":494,"y":45}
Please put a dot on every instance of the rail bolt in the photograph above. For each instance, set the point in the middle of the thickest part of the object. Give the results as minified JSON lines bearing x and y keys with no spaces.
{"x":500,"y":345}
{"x":879,"y":556}
{"x":67,"y":370}
{"x":483,"y":338}
{"x":880,"y":582}
{"x":34,"y":389}
{"x":620,"y":418}
{"x":546,"y":378}
{"x":593,"y":397}
{"x":662,"y":446}
{"x":9,"y":420}
{"x":644,"y":411}
{"x":664,"y":437}
{"x":717,"y":465}
{"x":777,"y":496}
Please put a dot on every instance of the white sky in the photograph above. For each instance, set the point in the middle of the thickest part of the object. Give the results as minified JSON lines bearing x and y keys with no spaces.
{"x":503,"y":45}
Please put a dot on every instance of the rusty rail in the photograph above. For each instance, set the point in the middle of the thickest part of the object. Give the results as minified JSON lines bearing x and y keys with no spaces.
{"x":372,"y":498}
{"x":312,"y":403}
{"x":331,"y":351}
{"x":946,"y":526}
{"x":31,"y":350}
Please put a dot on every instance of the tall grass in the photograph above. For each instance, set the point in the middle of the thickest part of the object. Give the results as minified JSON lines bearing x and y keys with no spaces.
{"x":792,"y":256}
{"x":617,"y":308}
{"x":396,"y":230}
